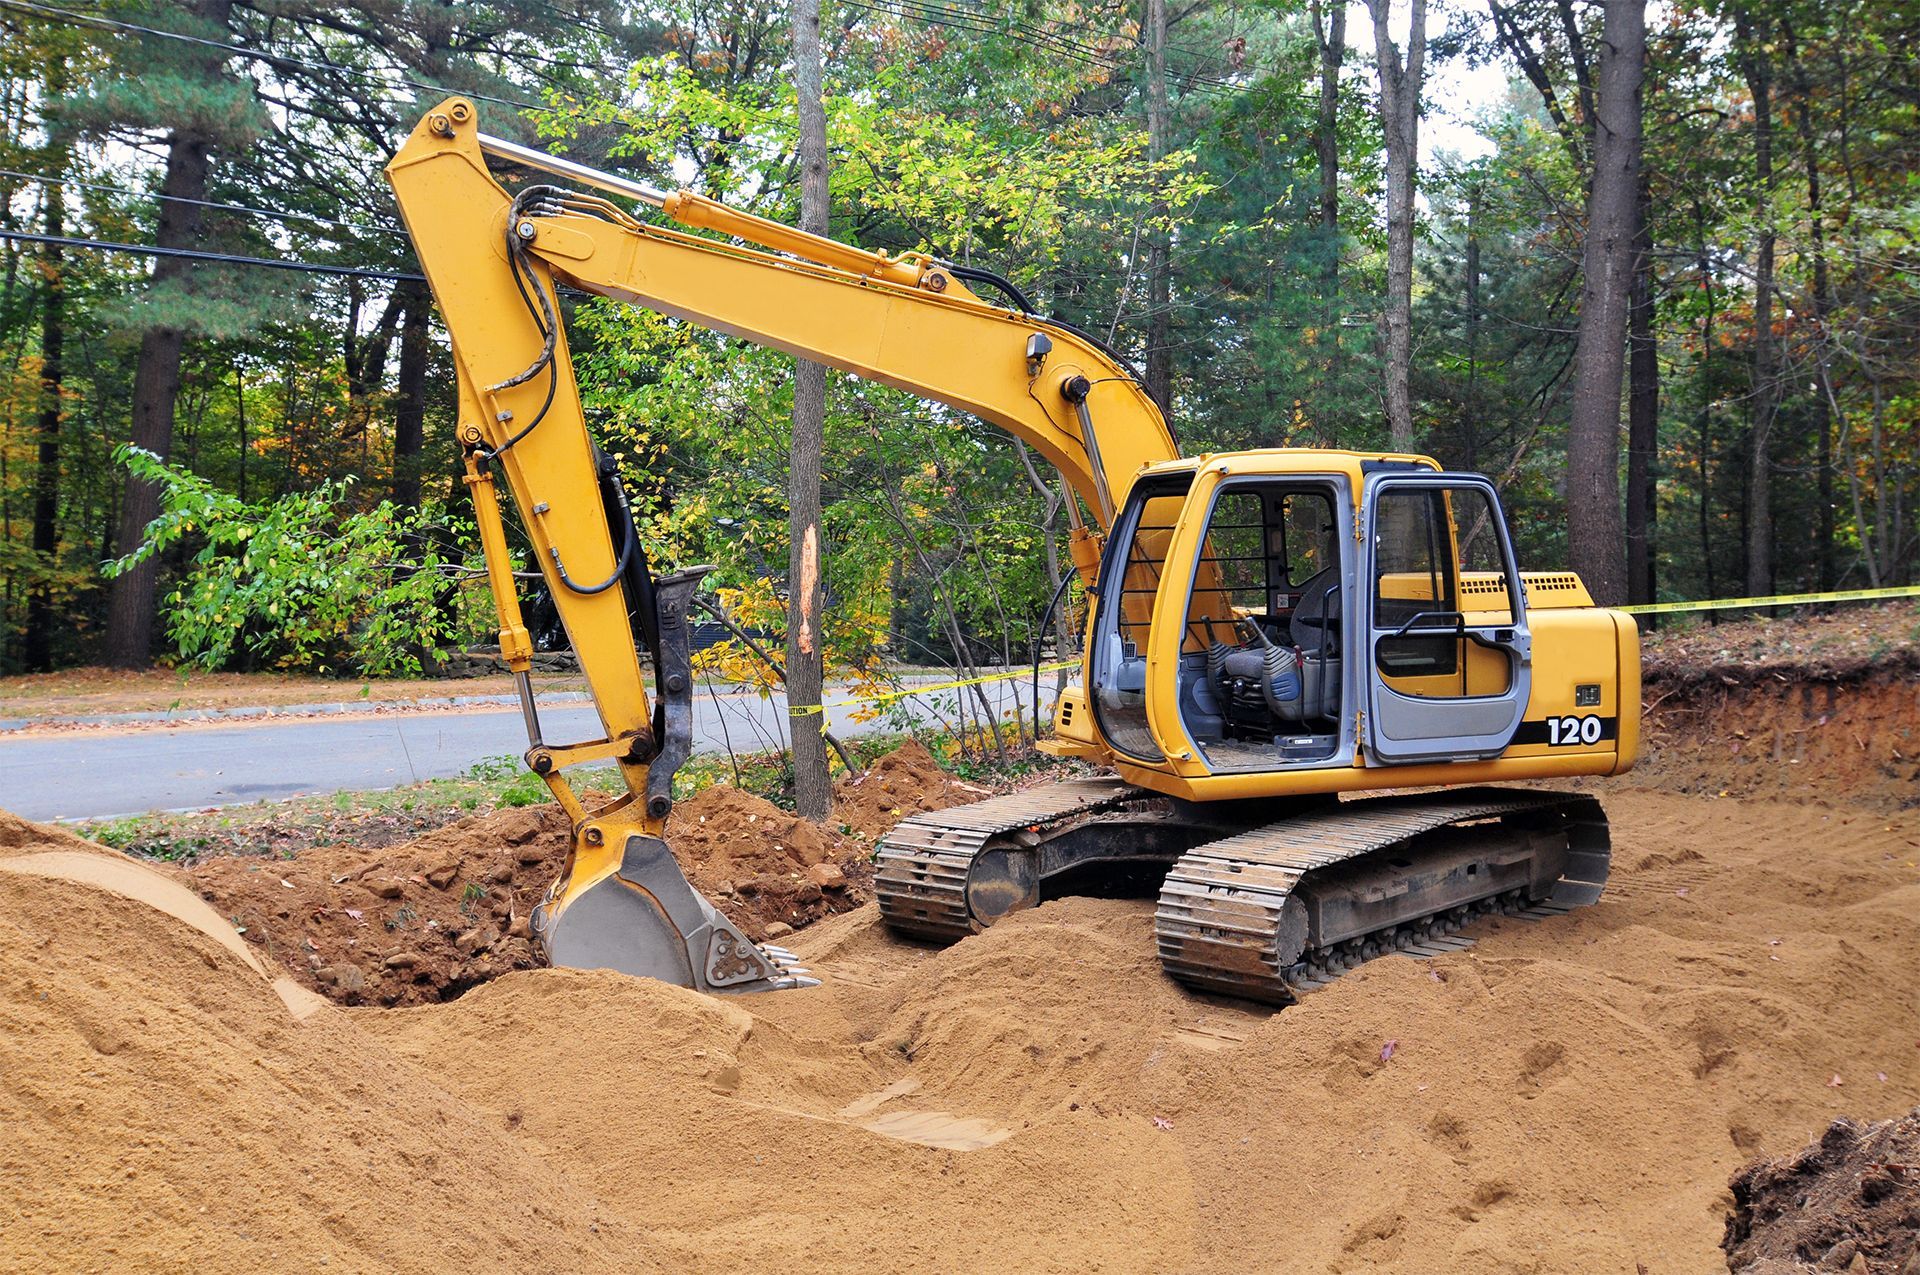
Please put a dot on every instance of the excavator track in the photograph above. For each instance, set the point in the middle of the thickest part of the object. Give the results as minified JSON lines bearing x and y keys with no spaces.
{"x":1276,"y":911}
{"x":1264,"y":913}
{"x":928,"y":865}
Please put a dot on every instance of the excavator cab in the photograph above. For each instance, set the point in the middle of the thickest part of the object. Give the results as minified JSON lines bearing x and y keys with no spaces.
{"x":1287,"y":638}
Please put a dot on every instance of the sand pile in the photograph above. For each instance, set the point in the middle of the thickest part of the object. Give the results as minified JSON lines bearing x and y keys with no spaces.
{"x":1570,"y":1095}
{"x":424,"y":921}
{"x":1850,"y":1202}
{"x":165,"y":1110}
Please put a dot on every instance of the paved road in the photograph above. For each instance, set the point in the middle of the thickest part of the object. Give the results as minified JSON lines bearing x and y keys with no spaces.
{"x":102,"y":774}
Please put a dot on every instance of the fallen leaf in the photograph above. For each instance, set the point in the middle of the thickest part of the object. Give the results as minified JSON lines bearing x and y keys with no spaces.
{"x":355,"y":913}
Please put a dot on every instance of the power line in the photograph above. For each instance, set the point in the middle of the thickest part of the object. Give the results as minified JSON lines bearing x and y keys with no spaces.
{"x":202,"y":203}
{"x":89,"y":20}
{"x":194,"y":254}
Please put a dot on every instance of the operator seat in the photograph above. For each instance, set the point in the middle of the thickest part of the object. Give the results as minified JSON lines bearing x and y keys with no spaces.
{"x":1315,"y":630}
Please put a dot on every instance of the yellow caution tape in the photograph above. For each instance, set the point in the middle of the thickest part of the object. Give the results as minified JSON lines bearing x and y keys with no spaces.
{"x":887,"y":697}
{"x":1657,"y":608}
{"x":1779,"y":600}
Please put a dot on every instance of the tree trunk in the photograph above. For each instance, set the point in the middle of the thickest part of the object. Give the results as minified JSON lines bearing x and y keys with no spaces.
{"x":156,"y":384}
{"x":1643,"y":408}
{"x":1595,"y":534}
{"x":1330,"y":34}
{"x":1756,"y":66}
{"x":240,"y":420}
{"x":1400,"y":123}
{"x":1822,"y":305}
{"x":410,"y":407}
{"x":812,"y":793}
{"x":1470,"y":418}
{"x":1160,"y":236}
{"x":46,"y":479}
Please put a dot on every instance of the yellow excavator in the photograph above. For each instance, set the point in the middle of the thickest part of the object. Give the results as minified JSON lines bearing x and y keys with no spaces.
{"x":1269,"y":632}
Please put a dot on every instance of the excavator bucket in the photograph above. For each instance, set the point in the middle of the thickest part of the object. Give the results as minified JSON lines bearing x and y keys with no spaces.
{"x":639,"y":914}
{"x":645,"y":918}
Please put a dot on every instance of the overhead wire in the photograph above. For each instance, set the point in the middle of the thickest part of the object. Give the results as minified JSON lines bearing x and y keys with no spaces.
{"x":45,"y":180}
{"x":200,"y":254}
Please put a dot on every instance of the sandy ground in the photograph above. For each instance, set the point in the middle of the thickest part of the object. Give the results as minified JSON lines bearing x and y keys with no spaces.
{"x":1571,"y":1094}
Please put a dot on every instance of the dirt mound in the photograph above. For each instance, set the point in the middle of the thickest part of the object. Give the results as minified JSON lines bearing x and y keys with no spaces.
{"x":1850,"y":1202}
{"x":164,"y":1110}
{"x":1849,"y":642}
{"x":907,"y":781}
{"x":426,"y":920}
{"x":416,"y":922}
{"x":766,"y":868}
{"x":22,"y":836}
{"x":1823,"y":707}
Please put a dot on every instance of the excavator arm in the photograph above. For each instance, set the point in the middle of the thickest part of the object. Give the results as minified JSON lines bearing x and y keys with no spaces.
{"x":495,"y":261}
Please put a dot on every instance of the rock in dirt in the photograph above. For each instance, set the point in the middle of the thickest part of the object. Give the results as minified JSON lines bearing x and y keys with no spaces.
{"x":342,"y":980}
{"x":1849,"y":1202}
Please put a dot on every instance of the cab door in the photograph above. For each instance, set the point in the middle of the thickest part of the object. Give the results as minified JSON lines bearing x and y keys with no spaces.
{"x":1448,"y":656}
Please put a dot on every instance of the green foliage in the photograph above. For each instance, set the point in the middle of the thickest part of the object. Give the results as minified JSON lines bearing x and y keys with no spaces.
{"x":299,"y":582}
{"x":1011,"y":137}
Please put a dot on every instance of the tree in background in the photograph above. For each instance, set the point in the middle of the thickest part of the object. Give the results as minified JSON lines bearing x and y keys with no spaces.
{"x":202,"y":106}
{"x":1400,"y":124}
{"x":806,"y":599}
{"x":1595,"y":535}
{"x":1020,"y":139}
